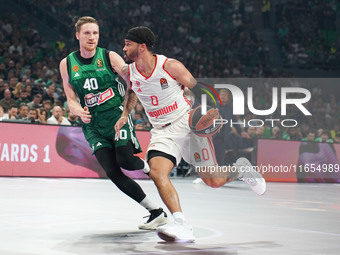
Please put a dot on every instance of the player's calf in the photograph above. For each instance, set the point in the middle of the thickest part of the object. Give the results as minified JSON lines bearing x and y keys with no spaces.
{"x":217,"y":176}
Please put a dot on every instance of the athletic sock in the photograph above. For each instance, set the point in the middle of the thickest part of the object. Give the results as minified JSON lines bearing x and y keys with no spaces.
{"x":179,"y":217}
{"x":148,"y":204}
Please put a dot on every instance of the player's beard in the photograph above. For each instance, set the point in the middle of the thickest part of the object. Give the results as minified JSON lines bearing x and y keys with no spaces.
{"x":90,"y":48}
{"x":132,"y":56}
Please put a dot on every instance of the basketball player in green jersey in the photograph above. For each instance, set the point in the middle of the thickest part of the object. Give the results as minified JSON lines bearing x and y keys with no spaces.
{"x":90,"y":80}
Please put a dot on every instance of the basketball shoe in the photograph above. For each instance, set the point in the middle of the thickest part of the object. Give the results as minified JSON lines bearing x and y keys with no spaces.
{"x":146,"y":168}
{"x":176,"y":231}
{"x":250,"y":176}
{"x":157,"y":218}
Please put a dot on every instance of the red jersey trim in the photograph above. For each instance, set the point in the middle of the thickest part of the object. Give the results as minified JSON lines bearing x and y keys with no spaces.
{"x":187,"y":101}
{"x":151,"y":72}
{"x":166,"y":70}
{"x":130,"y":77}
{"x":212,"y":149}
{"x":185,"y":98}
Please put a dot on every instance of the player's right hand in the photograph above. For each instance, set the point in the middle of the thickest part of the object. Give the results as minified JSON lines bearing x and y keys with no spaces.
{"x":120,"y":123}
{"x":85,"y":115}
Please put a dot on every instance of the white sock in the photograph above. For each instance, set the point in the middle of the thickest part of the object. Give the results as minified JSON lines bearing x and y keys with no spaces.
{"x":148,"y":204}
{"x":146,"y":168}
{"x":179,"y":217}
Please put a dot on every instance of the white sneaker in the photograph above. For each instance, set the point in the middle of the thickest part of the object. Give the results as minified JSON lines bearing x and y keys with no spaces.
{"x":176,"y":232}
{"x":249,"y":175}
{"x":197,"y":181}
{"x":146,"y":168}
{"x":157,"y":218}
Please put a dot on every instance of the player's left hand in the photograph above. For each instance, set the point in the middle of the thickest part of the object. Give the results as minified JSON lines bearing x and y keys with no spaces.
{"x":120,"y":123}
{"x":85,"y":115}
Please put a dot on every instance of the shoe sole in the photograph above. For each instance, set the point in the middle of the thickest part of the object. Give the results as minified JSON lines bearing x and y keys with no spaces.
{"x":169,"y":238}
{"x":165,"y":237}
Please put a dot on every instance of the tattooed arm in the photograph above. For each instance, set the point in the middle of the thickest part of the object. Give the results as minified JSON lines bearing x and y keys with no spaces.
{"x":129,"y":101}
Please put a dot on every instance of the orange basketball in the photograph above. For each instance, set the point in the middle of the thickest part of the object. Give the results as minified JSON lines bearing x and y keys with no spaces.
{"x":204,"y":125}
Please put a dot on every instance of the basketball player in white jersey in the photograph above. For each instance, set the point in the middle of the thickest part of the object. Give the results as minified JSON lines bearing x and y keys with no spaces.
{"x":159,"y":84}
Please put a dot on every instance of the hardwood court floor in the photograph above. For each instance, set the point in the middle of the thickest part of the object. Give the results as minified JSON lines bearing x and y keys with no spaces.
{"x":91,"y":216}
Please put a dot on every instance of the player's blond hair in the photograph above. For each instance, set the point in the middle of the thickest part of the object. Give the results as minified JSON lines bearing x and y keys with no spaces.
{"x":83,"y":20}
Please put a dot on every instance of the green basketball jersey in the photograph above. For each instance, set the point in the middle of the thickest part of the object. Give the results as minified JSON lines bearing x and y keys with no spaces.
{"x":96,"y":85}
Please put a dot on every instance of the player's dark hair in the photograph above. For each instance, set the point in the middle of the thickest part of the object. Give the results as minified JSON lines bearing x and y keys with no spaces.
{"x":141,"y":35}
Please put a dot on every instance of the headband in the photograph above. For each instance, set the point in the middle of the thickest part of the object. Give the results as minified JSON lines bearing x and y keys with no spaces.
{"x":134,"y":36}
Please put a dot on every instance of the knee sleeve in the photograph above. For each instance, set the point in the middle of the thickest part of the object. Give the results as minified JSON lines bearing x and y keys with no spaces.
{"x":106,"y":158}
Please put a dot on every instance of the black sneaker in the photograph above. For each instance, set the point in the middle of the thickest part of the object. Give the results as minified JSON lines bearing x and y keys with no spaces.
{"x":157,"y":218}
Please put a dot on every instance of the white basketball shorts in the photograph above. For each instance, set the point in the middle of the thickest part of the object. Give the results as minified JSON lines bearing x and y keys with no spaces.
{"x":179,"y":141}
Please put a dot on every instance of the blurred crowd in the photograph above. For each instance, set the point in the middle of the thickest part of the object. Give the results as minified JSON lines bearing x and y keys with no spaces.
{"x":306,"y":32}
{"x":322,"y":126}
{"x":213,"y":40}
{"x":226,"y":44}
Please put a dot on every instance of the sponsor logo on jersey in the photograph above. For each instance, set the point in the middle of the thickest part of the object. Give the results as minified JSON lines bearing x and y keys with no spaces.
{"x":139,"y":90}
{"x":164,"y":83}
{"x":75,"y":68}
{"x":89,"y":73}
{"x":197,"y":157}
{"x":165,"y":110}
{"x":99,"y":98}
{"x":76,"y":75}
{"x":99,"y":144}
{"x":100,"y":63}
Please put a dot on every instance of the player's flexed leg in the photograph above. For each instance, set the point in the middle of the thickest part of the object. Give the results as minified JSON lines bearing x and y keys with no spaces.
{"x":159,"y":84}
{"x":202,"y":156}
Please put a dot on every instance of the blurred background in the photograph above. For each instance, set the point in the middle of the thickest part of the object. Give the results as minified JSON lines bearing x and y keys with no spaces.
{"x":265,"y":39}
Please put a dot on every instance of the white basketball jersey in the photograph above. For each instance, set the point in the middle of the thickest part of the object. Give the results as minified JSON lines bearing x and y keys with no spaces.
{"x":160,"y":94}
